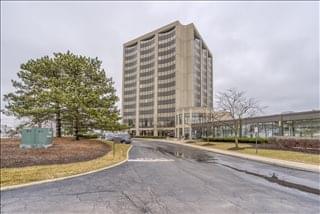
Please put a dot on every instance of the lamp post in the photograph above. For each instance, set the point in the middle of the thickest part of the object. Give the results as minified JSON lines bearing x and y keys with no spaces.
{"x":256,"y":133}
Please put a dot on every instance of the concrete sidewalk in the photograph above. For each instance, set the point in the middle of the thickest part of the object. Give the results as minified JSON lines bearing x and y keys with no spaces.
{"x":272,"y":161}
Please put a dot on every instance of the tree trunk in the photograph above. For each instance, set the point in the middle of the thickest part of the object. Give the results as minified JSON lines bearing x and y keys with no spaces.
{"x":236,"y":134}
{"x":77,"y":129}
{"x":236,"y":141}
{"x":58,"y":123}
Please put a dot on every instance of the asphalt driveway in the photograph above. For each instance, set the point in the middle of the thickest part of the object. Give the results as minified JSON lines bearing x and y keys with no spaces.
{"x":163,"y":178}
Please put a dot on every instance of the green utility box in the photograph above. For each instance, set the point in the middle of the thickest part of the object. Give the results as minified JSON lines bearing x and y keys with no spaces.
{"x":36,"y":138}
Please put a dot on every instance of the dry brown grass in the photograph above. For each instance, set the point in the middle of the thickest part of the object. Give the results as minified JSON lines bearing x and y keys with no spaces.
{"x":269,"y":153}
{"x":63,"y":150}
{"x":13,"y":176}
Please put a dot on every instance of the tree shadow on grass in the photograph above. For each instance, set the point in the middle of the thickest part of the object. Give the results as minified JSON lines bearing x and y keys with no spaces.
{"x":237,"y":149}
{"x":208,"y":144}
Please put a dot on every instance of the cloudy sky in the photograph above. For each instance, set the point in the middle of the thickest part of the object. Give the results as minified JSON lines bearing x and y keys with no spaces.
{"x":268,"y":49}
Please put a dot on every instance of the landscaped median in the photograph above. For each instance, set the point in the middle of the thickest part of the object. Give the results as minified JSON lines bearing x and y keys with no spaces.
{"x":249,"y":149}
{"x":23,"y":175}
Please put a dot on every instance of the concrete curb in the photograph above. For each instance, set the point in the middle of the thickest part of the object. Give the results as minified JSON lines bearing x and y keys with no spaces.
{"x":67,"y":177}
{"x":271,"y":161}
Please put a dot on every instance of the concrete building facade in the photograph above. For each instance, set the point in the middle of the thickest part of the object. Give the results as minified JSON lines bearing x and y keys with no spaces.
{"x":165,"y":71}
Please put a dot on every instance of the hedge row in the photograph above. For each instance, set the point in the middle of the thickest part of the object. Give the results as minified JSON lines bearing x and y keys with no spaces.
{"x":153,"y":137}
{"x":88,"y":136}
{"x":240,"y":140}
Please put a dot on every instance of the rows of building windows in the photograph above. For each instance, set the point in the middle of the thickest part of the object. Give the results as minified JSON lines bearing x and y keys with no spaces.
{"x":147,"y":59}
{"x":131,"y":81}
{"x":146,"y":92}
{"x":127,"y":79}
{"x":149,"y":65}
{"x":166,"y":93}
{"x":126,"y":96}
{"x":167,"y":56}
{"x":146,"y":43}
{"x":165,"y":102}
{"x":130,"y":84}
{"x":172,"y":88}
{"x":167,"y":51}
{"x":146,"y":84}
{"x":167,"y":64}
{"x":167,"y":46}
{"x":147,"y":73}
{"x":195,"y":118}
{"x":129,"y":99}
{"x":144,"y":89}
{"x":131,"y":57}
{"x":167,"y":84}
{"x":146,"y":122}
{"x":166,"y":79}
{"x":131,"y":70}
{"x":130,"y":122}
{"x":130,"y":91}
{"x":129,"y":102}
{"x":146,"y":80}
{"x":131,"y":113}
{"x":164,"y":60}
{"x":148,"y":111}
{"x":130,"y":64}
{"x":167,"y":75}
{"x":130,"y":75}
{"x":166,"y":40}
{"x":146,"y":96}
{"x":130,"y":106}
{"x":131,"y":60}
{"x":129,"y":51}
{"x":147,"y":51}
{"x":166,"y":110}
{"x":146,"y":104}
{"x":197,"y":73}
{"x":166,"y":35}
{"x":129,"y":109}
{"x":131,"y":67}
{"x":166,"y":121}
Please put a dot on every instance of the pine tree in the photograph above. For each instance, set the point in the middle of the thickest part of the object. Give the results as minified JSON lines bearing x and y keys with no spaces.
{"x":72,"y":90}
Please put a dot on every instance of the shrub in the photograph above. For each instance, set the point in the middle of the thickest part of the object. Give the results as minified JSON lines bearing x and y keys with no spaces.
{"x":153,"y":137}
{"x":89,"y":136}
{"x":240,"y":140}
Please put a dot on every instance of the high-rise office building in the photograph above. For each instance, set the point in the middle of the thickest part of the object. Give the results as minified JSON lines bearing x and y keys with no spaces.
{"x":166,"y":73}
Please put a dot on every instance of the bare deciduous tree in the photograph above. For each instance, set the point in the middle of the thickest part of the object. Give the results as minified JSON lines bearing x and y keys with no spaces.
{"x":237,"y":105}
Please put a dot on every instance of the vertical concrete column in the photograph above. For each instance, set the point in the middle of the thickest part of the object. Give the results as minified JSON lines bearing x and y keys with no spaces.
{"x":138,"y":89}
{"x":123,"y":67}
{"x":201,"y":76}
{"x":183,"y":123}
{"x":155,"y":96}
{"x":190,"y":123}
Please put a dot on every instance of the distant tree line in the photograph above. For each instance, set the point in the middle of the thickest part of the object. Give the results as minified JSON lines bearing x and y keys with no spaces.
{"x":71,"y":90}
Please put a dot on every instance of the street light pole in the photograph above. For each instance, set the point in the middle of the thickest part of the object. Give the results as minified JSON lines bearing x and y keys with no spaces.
{"x":256,"y":133}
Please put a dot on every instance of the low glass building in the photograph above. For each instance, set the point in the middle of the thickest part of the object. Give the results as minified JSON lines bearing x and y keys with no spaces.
{"x":197,"y":123}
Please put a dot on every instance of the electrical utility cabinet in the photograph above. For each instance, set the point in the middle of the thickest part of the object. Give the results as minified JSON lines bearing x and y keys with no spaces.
{"x":36,"y":138}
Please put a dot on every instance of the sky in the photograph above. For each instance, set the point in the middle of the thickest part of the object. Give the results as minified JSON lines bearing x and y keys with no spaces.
{"x":270,"y":50}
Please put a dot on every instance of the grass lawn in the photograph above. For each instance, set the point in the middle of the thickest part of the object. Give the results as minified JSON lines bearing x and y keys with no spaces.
{"x":13,"y":176}
{"x":269,"y":153}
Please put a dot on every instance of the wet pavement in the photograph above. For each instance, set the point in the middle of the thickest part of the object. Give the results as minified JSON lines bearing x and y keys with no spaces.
{"x":167,"y":178}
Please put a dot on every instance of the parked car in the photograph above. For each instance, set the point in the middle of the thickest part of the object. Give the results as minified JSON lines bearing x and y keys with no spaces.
{"x":109,"y":136}
{"x":122,"y":138}
{"x":170,"y":134}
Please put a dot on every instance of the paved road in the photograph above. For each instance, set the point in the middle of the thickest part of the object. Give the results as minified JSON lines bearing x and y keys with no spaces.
{"x":166,"y":178}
